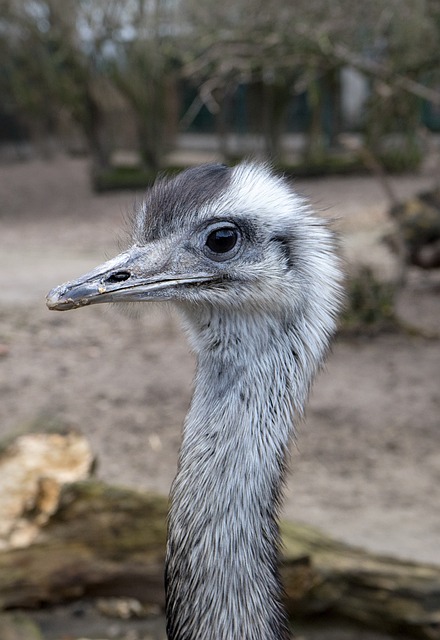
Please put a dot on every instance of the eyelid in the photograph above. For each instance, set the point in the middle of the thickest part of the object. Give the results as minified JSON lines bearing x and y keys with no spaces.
{"x":212,"y":225}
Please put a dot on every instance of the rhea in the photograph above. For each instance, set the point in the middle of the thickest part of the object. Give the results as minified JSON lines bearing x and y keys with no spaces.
{"x":255,"y":277}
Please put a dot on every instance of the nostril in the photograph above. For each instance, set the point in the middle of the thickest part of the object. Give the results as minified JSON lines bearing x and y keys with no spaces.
{"x":118,"y":276}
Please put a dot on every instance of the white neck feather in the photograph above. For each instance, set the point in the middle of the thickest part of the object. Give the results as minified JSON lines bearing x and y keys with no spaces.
{"x":222,"y":577}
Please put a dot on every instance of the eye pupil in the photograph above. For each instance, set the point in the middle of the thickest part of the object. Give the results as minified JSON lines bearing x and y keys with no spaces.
{"x":222,"y":240}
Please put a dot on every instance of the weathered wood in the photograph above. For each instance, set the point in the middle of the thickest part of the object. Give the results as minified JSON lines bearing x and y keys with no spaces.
{"x":33,"y":468}
{"x":102,"y":540}
{"x":382,"y":592}
{"x":110,"y":541}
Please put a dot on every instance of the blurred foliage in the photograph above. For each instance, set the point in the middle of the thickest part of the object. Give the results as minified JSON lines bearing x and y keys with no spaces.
{"x":370,"y":304}
{"x":391,"y":127}
{"x":328,"y":164}
{"x":70,"y":58}
{"x":407,"y":155}
{"x":114,"y":178}
{"x":417,"y":230}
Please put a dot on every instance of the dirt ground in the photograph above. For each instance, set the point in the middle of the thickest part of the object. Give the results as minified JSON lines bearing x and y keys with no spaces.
{"x":366,"y":467}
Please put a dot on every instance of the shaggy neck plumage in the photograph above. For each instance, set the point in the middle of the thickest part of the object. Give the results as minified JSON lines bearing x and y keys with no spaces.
{"x":222,"y":576}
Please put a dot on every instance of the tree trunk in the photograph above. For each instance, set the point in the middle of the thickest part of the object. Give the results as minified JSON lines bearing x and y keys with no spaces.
{"x":275,"y":102}
{"x":97,"y":138}
{"x":333,"y":84}
{"x":223,"y":98}
{"x":315,"y":143}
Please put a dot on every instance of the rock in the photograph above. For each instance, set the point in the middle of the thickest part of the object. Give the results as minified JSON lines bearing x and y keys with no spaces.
{"x":125,"y":608}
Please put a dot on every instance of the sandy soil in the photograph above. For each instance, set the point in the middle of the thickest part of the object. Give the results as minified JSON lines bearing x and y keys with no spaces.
{"x":367,"y":464}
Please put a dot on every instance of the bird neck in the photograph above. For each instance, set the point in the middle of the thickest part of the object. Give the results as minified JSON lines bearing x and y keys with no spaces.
{"x":223,"y":539}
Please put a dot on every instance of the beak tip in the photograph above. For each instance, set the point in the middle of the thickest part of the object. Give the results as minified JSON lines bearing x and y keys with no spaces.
{"x":53,"y":298}
{"x":57,"y":300}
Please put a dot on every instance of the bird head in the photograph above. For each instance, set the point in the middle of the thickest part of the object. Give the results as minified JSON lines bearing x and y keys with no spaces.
{"x":233,"y":238}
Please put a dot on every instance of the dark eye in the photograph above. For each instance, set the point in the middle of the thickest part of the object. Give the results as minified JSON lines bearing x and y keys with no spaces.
{"x":222,"y":240}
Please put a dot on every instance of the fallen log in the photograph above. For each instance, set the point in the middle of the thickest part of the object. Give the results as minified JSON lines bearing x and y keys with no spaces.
{"x":378,"y":591}
{"x":110,"y":541}
{"x":101,"y":540}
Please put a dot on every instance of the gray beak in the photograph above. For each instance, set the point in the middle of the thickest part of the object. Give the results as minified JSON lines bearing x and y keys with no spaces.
{"x":132,"y":276}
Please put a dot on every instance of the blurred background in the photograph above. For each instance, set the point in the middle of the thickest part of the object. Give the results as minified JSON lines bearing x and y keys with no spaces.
{"x":342,"y":97}
{"x":306,"y":84}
